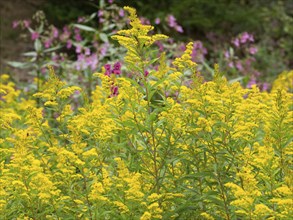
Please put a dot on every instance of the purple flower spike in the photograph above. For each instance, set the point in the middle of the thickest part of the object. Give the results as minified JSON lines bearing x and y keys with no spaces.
{"x":146,"y":73}
{"x":108,"y":69}
{"x":117,"y":68}
{"x":116,"y":72}
{"x":115,"y":90}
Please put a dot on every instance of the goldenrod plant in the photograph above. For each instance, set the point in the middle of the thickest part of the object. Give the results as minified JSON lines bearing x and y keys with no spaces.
{"x":163,"y":144}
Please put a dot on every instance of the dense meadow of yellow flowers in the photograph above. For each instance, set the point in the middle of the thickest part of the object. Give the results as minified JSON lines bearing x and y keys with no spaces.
{"x":157,"y":149}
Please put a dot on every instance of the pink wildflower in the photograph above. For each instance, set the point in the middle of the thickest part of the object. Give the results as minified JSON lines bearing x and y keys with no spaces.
{"x":78,"y":49}
{"x":15,"y":24}
{"x":179,"y":29}
{"x":253,"y":50}
{"x":114,"y":90}
{"x":108,"y":69}
{"x":117,"y":68}
{"x":265,"y":87}
{"x":231,"y":64}
{"x":35,"y":35}
{"x":239,"y":66}
{"x":251,"y":83}
{"x":236,"y":42}
{"x":157,"y":21}
{"x":121,"y":13}
{"x":244,"y":37}
{"x":171,"y":21}
{"x":227,"y":54}
{"x":87,"y":51}
{"x":100,"y":13}
{"x":68,"y":44}
{"x":48,"y":43}
{"x":26,"y":23}
{"x":80,"y":19}
{"x":55,"y":32}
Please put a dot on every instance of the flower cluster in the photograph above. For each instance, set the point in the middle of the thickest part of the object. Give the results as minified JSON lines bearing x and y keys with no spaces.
{"x":116,"y":69}
{"x":173,"y":23}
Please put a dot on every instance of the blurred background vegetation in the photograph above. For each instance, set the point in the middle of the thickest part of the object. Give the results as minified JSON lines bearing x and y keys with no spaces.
{"x":213,"y":22}
{"x":226,"y":18}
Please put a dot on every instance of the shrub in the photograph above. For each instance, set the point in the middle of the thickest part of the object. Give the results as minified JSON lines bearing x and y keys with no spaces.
{"x":161,"y":144}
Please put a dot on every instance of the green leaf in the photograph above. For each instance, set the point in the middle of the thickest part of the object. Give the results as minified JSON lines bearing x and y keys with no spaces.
{"x":236,"y":79}
{"x":52,"y":49}
{"x":30,"y":54}
{"x":153,"y":61}
{"x":197,"y":175}
{"x":158,"y":83}
{"x":84,"y":27}
{"x":208,"y":68}
{"x":104,"y":37}
{"x":18,"y":64}
{"x":38,"y":45}
{"x":93,"y":15}
{"x":215,"y":200}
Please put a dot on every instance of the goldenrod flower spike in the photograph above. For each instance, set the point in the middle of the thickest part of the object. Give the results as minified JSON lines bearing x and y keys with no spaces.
{"x":185,"y":60}
{"x":136,"y":39}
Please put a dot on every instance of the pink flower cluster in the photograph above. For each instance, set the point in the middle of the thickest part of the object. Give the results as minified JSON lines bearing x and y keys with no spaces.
{"x":116,"y":69}
{"x":85,"y":59}
{"x":245,"y":39}
{"x":241,"y":57}
{"x":173,"y":23}
{"x":198,"y":52}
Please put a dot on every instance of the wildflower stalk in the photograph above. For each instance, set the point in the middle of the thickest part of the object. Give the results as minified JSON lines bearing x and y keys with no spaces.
{"x":87,"y":196}
{"x":38,"y":77}
{"x":213,"y":151}
{"x":137,"y":41}
{"x":90,"y":84}
{"x":219,"y":179}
